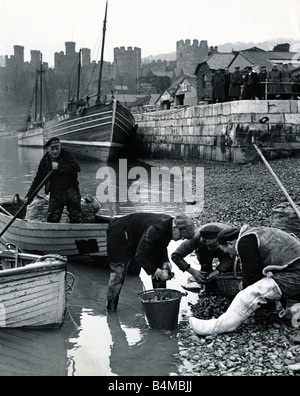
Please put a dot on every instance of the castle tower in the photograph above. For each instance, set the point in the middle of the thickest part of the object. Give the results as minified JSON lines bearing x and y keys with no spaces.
{"x":85,"y":56}
{"x":189,"y":55}
{"x":127,"y":67}
{"x":35,"y":59}
{"x":70,"y":48}
{"x":18,"y":54}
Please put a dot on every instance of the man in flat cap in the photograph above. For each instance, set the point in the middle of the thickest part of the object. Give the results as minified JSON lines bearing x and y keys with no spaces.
{"x":63,"y":185}
{"x":204,"y":243}
{"x":262,"y":78}
{"x":236,"y":81}
{"x":140,"y":240}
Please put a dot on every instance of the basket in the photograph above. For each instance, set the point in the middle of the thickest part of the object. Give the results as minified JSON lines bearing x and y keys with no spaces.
{"x":230,"y":283}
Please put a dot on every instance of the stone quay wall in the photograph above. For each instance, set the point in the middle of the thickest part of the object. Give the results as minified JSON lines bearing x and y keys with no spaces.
{"x":222,"y":132}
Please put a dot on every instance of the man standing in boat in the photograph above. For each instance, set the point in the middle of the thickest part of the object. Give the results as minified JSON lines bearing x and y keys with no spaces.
{"x":63,"y":185}
{"x":140,"y":240}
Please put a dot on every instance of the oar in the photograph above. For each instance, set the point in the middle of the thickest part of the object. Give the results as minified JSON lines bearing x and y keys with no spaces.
{"x":278,"y":181}
{"x":35,"y":192}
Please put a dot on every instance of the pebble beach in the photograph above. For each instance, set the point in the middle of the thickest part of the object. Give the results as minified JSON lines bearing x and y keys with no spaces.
{"x":266,"y":345}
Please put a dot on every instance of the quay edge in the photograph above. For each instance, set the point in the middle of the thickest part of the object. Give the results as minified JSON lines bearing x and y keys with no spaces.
{"x":223,"y":132}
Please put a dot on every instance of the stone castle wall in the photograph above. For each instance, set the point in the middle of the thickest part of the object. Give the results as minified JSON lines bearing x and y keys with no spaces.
{"x":221,"y":132}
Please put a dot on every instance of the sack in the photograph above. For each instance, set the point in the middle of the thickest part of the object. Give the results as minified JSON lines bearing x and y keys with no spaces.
{"x":89,"y":207}
{"x":285,"y":218}
{"x":37,"y":210}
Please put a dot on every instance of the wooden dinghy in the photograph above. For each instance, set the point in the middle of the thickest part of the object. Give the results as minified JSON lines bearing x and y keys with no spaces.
{"x":32,"y":290}
{"x":50,"y":238}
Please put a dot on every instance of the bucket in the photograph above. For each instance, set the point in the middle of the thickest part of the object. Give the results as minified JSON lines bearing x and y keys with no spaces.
{"x":161,"y":307}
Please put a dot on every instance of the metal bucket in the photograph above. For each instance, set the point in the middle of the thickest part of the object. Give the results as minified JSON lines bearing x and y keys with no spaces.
{"x":161,"y":307}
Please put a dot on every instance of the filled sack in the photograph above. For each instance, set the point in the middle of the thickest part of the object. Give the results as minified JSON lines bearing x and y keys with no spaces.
{"x":89,"y":206}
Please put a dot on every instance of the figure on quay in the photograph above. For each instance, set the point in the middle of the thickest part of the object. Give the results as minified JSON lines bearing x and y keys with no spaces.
{"x":236,"y":82}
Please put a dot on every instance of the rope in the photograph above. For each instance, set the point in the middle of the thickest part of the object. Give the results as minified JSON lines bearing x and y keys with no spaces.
{"x":52,"y":256}
{"x":69,"y":287}
{"x":72,"y":320}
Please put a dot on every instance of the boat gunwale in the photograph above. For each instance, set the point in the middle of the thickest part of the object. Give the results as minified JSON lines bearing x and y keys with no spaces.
{"x":35,"y":268}
{"x":43,"y":225}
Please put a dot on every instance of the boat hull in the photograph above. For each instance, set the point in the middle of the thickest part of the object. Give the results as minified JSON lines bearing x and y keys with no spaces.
{"x":111,"y":124}
{"x":98,"y":151}
{"x":31,"y":138}
{"x":51,"y":238}
{"x":33,"y":296}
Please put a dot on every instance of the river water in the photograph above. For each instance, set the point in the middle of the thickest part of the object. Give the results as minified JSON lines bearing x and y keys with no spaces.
{"x":92,"y":342}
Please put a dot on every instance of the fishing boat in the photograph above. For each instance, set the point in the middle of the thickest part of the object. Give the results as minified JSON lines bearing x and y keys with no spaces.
{"x":32,"y":289}
{"x":99,"y":131}
{"x":42,"y":238}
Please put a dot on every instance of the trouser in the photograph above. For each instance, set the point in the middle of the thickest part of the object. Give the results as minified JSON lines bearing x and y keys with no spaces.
{"x":118,"y":272}
{"x":242,"y":307}
{"x":59,"y":199}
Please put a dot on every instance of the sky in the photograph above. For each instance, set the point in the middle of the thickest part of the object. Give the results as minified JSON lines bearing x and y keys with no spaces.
{"x":152,"y":25}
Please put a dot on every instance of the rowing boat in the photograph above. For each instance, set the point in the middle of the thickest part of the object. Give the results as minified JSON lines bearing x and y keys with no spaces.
{"x":32,"y":290}
{"x":67,"y":239}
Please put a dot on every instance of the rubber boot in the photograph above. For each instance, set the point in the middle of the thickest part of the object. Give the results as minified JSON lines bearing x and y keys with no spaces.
{"x":242,"y":307}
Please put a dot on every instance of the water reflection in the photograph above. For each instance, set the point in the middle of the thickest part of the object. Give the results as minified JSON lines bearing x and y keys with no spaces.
{"x":132,"y":184}
{"x":88,"y":353}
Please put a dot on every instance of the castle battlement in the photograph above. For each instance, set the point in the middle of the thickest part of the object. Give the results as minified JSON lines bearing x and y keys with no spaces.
{"x":129,"y":49}
{"x":187,"y":43}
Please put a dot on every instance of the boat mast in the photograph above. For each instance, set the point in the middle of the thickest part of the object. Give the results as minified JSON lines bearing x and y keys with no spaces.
{"x":36,"y":95}
{"x":102,"y":54}
{"x":78,"y":75}
{"x":41,"y":90}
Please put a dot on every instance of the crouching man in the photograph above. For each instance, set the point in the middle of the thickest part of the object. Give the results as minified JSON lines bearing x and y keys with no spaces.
{"x":140,"y":240}
{"x":204,"y":243}
{"x":270,"y":260}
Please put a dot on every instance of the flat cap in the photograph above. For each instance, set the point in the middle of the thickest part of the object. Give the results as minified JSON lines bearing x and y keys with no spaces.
{"x":52,"y":141}
{"x":210,"y":231}
{"x":228,"y":235}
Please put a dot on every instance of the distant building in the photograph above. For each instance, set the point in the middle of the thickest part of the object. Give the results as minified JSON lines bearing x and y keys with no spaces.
{"x":183,"y":92}
{"x":258,"y":57}
{"x":152,"y":84}
{"x":186,"y":93}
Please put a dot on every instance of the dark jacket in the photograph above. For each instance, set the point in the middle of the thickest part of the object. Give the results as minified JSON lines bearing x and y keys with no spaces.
{"x":236,"y":81}
{"x":65,"y":177}
{"x":204,"y":255}
{"x":218,"y":83}
{"x":143,"y":237}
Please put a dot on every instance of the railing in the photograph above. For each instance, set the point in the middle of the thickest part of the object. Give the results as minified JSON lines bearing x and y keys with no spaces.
{"x":285,"y":90}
